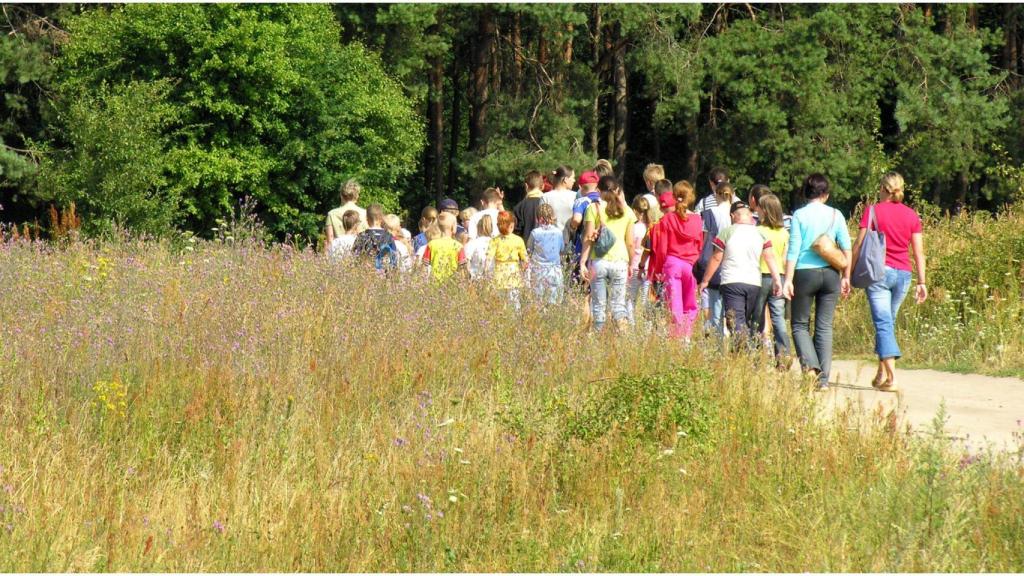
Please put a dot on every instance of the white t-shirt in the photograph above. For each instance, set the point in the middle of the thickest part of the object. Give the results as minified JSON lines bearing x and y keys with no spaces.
{"x":475,"y":220}
{"x":722,"y":216}
{"x":341,"y":247}
{"x":476,"y":256}
{"x":710,"y":201}
{"x":742,"y":244}
{"x":561,"y":202}
{"x":404,"y":257}
{"x":639,"y":231}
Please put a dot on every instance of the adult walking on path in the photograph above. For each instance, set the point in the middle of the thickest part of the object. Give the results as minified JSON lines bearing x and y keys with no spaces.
{"x":811,"y":280}
{"x":335,"y":227}
{"x":901,"y":227}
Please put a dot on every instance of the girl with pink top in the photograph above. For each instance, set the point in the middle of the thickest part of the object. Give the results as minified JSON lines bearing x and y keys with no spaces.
{"x":901,"y":227}
{"x":676,"y":243}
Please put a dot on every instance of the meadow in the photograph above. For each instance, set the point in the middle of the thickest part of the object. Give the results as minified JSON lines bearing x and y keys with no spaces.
{"x":226,"y":406}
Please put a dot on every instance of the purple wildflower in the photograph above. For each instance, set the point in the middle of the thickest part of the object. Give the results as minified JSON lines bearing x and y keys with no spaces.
{"x":219,"y":526}
{"x":399,"y":441}
{"x":425,"y":500}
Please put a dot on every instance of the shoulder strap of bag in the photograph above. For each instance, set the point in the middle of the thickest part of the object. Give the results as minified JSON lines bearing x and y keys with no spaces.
{"x":873,"y":219}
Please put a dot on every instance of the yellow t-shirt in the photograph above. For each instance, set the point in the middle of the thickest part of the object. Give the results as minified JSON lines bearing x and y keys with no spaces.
{"x":444,"y":256}
{"x":507,"y":252}
{"x":618,"y":226}
{"x":780,"y":242}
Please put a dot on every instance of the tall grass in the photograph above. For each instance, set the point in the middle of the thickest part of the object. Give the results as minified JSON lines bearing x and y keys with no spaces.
{"x":241,"y":408}
{"x":974,"y":317}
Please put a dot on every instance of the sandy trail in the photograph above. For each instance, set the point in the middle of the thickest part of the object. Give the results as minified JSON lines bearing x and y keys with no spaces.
{"x":982,"y":410}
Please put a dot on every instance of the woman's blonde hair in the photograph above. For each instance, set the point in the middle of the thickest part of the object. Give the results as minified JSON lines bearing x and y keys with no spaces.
{"x":684,"y":194}
{"x":892,"y":184}
{"x":771,"y":211}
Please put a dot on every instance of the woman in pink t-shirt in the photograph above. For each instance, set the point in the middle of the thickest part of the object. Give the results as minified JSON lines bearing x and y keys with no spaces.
{"x":901,"y":227}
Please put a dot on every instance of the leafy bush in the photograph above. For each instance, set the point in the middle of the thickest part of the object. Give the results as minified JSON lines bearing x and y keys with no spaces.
{"x":116,"y":168}
{"x":648,"y":407}
{"x":266,"y":104}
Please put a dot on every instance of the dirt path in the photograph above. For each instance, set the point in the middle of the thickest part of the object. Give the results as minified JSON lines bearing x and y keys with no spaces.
{"x":981,"y":409}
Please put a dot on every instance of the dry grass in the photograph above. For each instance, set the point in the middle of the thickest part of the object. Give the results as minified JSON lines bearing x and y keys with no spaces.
{"x":284,"y":414}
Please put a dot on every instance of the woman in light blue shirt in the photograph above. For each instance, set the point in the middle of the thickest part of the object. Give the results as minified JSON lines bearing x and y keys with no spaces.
{"x":810,"y":280}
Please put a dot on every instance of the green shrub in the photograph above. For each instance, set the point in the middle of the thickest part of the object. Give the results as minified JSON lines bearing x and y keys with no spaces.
{"x":648,"y":408}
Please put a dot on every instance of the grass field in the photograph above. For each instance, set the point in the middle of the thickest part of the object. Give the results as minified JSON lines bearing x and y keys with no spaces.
{"x":240,"y":408}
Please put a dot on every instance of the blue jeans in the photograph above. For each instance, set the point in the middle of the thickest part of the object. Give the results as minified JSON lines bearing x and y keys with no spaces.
{"x":637,"y":289}
{"x":711,"y":300}
{"x":819,"y":287}
{"x":608,"y":277}
{"x":777,"y":311}
{"x":548,"y":282}
{"x":884,"y":298}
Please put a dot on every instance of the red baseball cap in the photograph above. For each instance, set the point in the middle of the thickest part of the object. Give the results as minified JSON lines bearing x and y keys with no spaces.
{"x":666,"y":200}
{"x":589,"y":177}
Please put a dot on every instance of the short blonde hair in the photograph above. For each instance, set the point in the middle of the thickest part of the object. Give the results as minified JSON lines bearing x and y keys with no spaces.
{"x":603,"y":168}
{"x":892,"y":183}
{"x":432,"y":232}
{"x":467,"y":214}
{"x":446,"y":222}
{"x":654,"y":172}
{"x":350,"y":190}
{"x":393,"y":224}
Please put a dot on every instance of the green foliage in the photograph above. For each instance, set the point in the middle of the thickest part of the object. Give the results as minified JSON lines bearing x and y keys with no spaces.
{"x":116,"y":169}
{"x":948,"y":110}
{"x":24,"y":67}
{"x":649,"y":408}
{"x":268,"y":105}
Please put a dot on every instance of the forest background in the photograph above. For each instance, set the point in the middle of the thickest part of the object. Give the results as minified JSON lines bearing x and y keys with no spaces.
{"x":164,"y":118}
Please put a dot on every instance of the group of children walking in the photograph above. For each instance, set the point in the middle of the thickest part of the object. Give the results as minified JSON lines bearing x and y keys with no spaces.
{"x":738,"y":261}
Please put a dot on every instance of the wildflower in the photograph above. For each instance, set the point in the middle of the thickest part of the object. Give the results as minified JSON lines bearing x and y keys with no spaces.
{"x":8,"y":488}
{"x":425,"y":500}
{"x":399,"y":441}
{"x":406,"y":508}
{"x":219,"y":526}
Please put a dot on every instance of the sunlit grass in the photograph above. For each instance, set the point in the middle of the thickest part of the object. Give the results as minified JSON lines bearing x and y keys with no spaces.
{"x":281,"y":413}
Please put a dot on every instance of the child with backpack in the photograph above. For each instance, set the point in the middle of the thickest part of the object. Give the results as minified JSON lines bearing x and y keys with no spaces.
{"x":375,"y":244}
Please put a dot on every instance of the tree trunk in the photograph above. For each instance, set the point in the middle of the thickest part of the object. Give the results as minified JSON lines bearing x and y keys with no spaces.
{"x":1010,"y":46}
{"x":455,"y":126}
{"x":595,"y":54}
{"x":567,"y":49}
{"x":692,"y":147}
{"x":610,"y":99}
{"x":495,"y":65}
{"x":517,"y":55}
{"x":964,"y":186}
{"x":481,"y":65}
{"x":435,"y":130}
{"x":937,"y":193}
{"x":621,"y":109}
